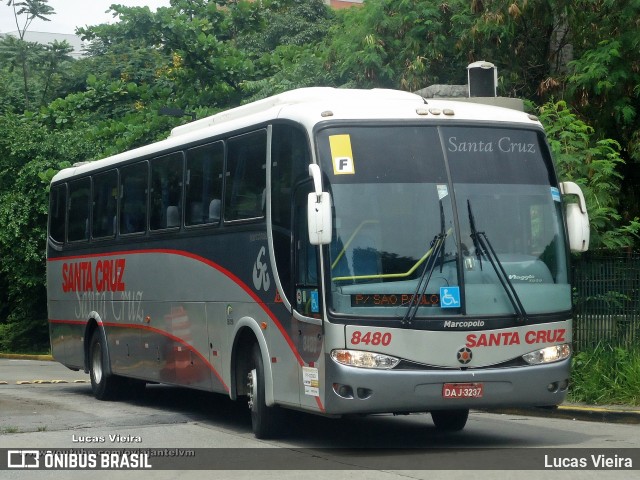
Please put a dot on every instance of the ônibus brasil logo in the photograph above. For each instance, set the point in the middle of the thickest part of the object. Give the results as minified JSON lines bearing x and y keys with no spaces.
{"x":464,"y":355}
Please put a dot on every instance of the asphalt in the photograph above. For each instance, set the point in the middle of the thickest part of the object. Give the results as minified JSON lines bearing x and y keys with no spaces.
{"x":572,"y":411}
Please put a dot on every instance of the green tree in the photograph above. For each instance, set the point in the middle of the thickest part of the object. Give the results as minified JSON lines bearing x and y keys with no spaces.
{"x":25,"y":12}
{"x":287,"y":42}
{"x":56,"y":57}
{"x":190,"y":52}
{"x":18,"y":55}
{"x":27,"y":149}
{"x":594,"y":164}
{"x":604,"y":80}
{"x":406,"y":44}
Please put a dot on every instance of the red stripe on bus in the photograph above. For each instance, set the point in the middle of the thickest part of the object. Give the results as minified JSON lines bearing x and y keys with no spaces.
{"x":154,"y":330}
{"x":213,"y":265}
{"x":71,"y":322}
{"x":175,"y":339}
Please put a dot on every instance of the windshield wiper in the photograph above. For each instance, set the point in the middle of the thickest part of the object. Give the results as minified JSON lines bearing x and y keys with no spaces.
{"x":484,"y":248}
{"x":437,"y":248}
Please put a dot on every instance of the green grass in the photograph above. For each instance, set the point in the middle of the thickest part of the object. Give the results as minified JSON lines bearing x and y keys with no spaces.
{"x":7,"y":430}
{"x":606,"y":375}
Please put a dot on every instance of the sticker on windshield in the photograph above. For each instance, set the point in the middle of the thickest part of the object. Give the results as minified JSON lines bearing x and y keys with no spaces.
{"x":315,"y":303}
{"x":442,"y":191}
{"x":342,"y":155}
{"x":449,"y":297}
{"x":555,"y":194}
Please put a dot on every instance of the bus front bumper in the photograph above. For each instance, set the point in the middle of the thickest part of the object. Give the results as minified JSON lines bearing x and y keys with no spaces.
{"x":351,"y":390}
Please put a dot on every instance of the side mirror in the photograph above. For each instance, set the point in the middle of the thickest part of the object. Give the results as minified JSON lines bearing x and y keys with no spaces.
{"x":319,"y":211}
{"x":577,"y":218}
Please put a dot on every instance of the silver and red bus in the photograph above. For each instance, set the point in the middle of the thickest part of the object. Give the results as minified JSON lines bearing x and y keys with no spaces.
{"x":326,"y":250}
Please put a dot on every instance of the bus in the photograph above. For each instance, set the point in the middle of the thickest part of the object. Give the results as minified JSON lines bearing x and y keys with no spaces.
{"x":327,"y":250}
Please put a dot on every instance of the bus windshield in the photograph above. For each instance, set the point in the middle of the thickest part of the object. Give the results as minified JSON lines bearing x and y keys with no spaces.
{"x":412,"y":202}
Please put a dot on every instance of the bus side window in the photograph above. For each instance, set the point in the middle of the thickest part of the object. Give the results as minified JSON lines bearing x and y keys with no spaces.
{"x":79,"y":210}
{"x":133,"y":198}
{"x":204,"y":184}
{"x":105,"y":203}
{"x":57,"y":212}
{"x":246,"y":176}
{"x":166,"y":191}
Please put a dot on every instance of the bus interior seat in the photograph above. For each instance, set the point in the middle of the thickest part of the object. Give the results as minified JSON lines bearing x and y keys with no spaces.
{"x":214,"y":210}
{"x":173,"y":216}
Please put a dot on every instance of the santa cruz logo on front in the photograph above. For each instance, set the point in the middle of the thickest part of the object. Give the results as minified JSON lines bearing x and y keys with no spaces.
{"x":530,"y":337}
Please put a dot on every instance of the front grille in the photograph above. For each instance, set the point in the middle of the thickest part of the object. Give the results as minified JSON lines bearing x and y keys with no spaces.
{"x":410,"y":365}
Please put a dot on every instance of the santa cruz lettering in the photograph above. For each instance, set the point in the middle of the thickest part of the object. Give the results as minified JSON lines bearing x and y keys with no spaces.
{"x":106,"y":276}
{"x":504,"y":145}
{"x":501,"y":339}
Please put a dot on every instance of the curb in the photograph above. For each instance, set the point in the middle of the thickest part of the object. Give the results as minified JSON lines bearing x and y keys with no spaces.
{"x":19,"y":356}
{"x":578,"y":412}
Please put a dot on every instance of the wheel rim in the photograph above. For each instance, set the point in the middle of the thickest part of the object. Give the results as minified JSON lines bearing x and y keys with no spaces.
{"x":96,"y":362}
{"x":253,"y":388}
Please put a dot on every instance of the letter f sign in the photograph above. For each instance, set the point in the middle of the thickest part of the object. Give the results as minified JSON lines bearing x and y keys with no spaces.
{"x":343,"y":166}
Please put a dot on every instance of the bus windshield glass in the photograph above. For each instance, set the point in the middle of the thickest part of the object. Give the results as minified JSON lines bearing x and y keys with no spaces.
{"x":410,"y":204}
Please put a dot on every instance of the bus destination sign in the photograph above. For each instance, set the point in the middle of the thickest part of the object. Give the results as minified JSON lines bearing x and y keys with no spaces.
{"x":394,"y":300}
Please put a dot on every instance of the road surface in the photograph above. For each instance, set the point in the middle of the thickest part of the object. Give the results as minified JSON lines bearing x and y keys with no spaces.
{"x":46,"y":406}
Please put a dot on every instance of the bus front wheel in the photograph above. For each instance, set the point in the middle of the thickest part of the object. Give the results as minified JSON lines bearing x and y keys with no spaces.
{"x":450,"y":420}
{"x":264,"y":419}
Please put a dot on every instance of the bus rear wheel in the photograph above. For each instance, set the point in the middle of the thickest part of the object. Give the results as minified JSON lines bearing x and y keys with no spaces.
{"x":450,"y":420}
{"x":264,"y":419}
{"x":103,"y":385}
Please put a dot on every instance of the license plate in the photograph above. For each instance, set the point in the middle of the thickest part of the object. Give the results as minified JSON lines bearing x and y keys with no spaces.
{"x":462,"y":390}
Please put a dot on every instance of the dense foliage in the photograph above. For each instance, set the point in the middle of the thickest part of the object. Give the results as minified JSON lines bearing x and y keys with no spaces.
{"x":606,"y":375}
{"x":577,"y":62}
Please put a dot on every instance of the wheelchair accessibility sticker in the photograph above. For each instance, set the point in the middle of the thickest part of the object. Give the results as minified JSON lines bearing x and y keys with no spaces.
{"x":449,"y":297}
{"x":315,"y":304}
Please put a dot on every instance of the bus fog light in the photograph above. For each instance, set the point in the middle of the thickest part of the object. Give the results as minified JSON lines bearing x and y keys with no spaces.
{"x":548,"y":354}
{"x":356,"y":358}
{"x":344,"y":391}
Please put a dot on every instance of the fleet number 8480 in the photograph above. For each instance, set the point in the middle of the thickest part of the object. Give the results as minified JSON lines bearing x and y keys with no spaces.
{"x":371,"y":338}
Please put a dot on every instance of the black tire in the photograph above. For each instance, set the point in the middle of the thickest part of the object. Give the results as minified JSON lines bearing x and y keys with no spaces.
{"x":450,"y":420}
{"x":265,"y":421}
{"x":104,"y":386}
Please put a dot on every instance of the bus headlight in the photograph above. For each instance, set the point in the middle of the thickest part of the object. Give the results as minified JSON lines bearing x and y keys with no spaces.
{"x":356,"y":358}
{"x":548,"y":354}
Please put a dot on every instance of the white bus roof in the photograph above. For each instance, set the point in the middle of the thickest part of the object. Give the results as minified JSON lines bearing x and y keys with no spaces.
{"x":309,"y":106}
